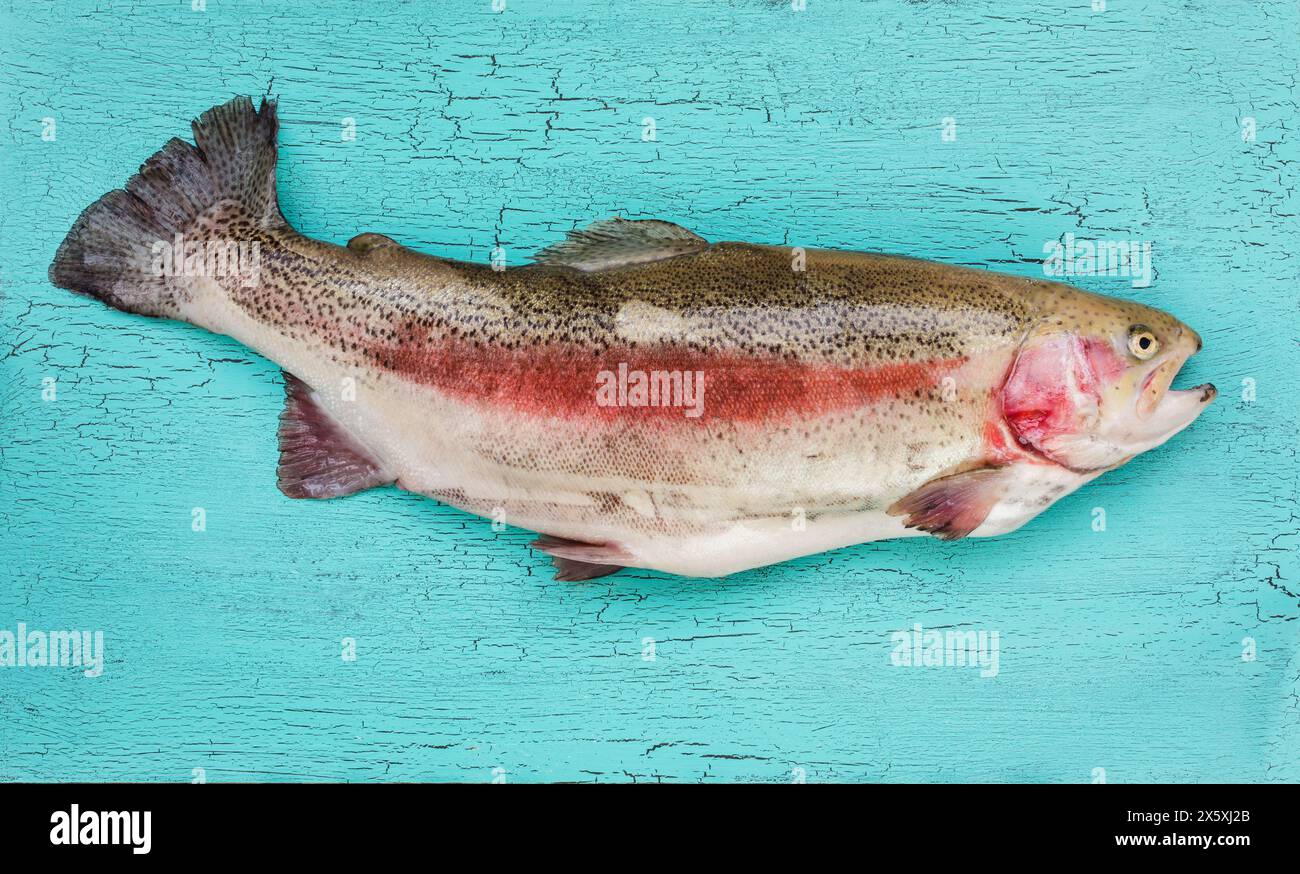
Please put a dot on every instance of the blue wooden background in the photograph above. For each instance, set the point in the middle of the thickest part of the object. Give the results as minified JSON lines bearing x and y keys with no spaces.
{"x":1122,"y":654}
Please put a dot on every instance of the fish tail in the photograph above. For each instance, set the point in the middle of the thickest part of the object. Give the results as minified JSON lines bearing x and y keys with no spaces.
{"x":189,"y":208}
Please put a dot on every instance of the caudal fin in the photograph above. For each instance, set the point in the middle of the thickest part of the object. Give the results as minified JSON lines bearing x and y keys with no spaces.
{"x":122,"y":249}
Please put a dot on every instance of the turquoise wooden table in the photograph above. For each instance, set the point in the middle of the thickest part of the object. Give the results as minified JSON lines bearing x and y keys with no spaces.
{"x":1146,"y":626}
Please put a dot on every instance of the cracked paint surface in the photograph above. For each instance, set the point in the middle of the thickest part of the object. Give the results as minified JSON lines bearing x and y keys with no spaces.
{"x":1121,"y":649}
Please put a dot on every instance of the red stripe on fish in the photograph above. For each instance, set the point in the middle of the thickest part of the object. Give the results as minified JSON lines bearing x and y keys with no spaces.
{"x":666,"y":383}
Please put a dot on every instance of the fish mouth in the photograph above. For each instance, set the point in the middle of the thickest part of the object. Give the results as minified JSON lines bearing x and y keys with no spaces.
{"x":1165,"y":407}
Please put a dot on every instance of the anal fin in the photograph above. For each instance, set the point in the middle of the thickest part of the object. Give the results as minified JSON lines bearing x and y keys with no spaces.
{"x":951,"y":507}
{"x":318,"y":457}
{"x":575,"y":560}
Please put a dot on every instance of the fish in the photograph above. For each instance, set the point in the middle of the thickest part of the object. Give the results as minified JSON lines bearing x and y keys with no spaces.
{"x":636,"y":395}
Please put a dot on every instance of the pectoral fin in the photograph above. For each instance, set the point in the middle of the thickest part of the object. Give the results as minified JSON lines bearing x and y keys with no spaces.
{"x":951,"y":507}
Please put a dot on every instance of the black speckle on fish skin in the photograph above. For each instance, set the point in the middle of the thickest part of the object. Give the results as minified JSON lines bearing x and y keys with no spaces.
{"x":846,"y":308}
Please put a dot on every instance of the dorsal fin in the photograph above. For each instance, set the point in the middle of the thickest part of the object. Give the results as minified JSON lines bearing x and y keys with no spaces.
{"x":619,"y":242}
{"x":369,"y":242}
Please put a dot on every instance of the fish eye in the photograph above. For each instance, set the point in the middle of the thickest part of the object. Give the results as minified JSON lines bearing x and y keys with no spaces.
{"x":1142,"y":343}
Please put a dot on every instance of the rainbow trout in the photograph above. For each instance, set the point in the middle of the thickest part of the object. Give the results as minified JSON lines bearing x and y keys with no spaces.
{"x":637,"y":395}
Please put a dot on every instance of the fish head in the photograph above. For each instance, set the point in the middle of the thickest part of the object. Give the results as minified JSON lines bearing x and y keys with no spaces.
{"x":1090,"y":386}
